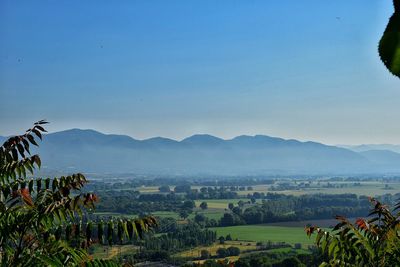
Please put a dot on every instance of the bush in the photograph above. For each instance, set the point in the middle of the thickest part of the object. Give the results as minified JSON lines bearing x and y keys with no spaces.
{"x":297,"y":246}
{"x":182,"y":189}
{"x":233,"y":251}
{"x":291,"y":262}
{"x":204,"y":254}
{"x":164,"y":189}
{"x":222,"y":253}
{"x":200,"y":218}
{"x":188,"y":204}
{"x":204,"y":205}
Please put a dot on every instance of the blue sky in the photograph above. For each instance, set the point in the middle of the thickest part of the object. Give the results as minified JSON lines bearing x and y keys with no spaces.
{"x":296,"y":69}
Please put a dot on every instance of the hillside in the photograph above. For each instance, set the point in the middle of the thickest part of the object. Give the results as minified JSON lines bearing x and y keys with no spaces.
{"x":92,"y":151}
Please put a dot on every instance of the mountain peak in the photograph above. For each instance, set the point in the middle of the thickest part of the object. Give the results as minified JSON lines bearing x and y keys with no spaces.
{"x":202,"y":139}
{"x":159,"y":141}
{"x":78,"y":130}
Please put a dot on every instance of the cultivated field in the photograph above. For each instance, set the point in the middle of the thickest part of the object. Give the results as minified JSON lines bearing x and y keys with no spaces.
{"x":290,"y":235}
{"x":367,"y":188}
{"x":195,"y":252}
{"x":108,"y":252}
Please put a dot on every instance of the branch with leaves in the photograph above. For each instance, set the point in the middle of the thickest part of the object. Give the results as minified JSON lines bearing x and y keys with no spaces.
{"x":367,"y":242}
{"x":42,"y":221}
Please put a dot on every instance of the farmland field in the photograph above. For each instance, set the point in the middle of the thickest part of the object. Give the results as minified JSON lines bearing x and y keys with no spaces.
{"x":107,"y":252}
{"x":195,"y":252}
{"x":210,"y":214}
{"x":316,"y":186}
{"x":257,"y":233}
{"x":166,"y":214}
{"x":325,"y":223}
{"x":114,"y":214}
{"x":367,"y":188}
{"x":220,"y":204}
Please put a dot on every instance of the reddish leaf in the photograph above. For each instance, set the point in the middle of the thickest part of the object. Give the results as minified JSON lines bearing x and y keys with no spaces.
{"x":26,"y":196}
{"x":362,"y":224}
{"x":310,"y":230}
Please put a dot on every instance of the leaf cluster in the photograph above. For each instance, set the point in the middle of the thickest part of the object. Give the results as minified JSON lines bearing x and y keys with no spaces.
{"x":368,"y":242}
{"x":43,"y":221}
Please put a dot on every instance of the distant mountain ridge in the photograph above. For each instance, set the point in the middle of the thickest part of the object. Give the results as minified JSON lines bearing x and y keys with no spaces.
{"x":366,"y":147}
{"x":201,"y":154}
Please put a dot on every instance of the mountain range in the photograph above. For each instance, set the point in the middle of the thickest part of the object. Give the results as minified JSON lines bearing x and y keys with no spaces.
{"x":94,"y":152}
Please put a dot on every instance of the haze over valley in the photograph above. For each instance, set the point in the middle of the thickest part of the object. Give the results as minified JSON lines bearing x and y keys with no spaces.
{"x":94,"y":152}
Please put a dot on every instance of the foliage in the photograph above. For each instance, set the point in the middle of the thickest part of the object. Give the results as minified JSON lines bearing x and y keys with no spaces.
{"x":222,"y":253}
{"x":42,"y":221}
{"x":389,"y":45}
{"x":368,"y":242}
{"x":204,"y":254}
{"x":280,"y":207}
{"x":233,"y":251}
{"x":204,"y":205}
{"x":288,"y":258}
{"x":184,"y":214}
{"x":164,"y":189}
{"x":183,"y":237}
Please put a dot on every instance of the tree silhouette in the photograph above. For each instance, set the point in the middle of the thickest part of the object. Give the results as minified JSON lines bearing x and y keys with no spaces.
{"x":389,"y":45}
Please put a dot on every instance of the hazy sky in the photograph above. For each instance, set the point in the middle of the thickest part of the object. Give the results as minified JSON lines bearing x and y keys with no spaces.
{"x":296,"y":69}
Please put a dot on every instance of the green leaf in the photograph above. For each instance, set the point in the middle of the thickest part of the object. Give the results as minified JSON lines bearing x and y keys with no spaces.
{"x":30,"y":186}
{"x":389,"y":45}
{"x":38,"y":134}
{"x":21,"y":150}
{"x":14,"y":154}
{"x":31,"y":139}
{"x":26,"y":145}
{"x":40,"y":128}
{"x":36,"y":159}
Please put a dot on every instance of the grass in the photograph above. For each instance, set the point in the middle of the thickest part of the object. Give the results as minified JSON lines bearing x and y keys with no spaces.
{"x":290,"y":235}
{"x":220,"y":204}
{"x":195,"y":252}
{"x":166,"y":214}
{"x":229,"y":259}
{"x":109,"y":252}
{"x":325,"y":223}
{"x":115,"y":214}
{"x":148,"y":189}
{"x":210,"y":214}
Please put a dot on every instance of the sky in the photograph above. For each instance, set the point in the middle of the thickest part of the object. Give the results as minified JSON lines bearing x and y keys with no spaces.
{"x":307,"y":70}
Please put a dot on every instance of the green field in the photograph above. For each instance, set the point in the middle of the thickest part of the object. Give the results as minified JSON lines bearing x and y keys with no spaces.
{"x":195,"y":252}
{"x":109,"y":252}
{"x":367,"y":188}
{"x":115,"y":214}
{"x":220,"y":204}
{"x":166,"y":214}
{"x":257,"y":233}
